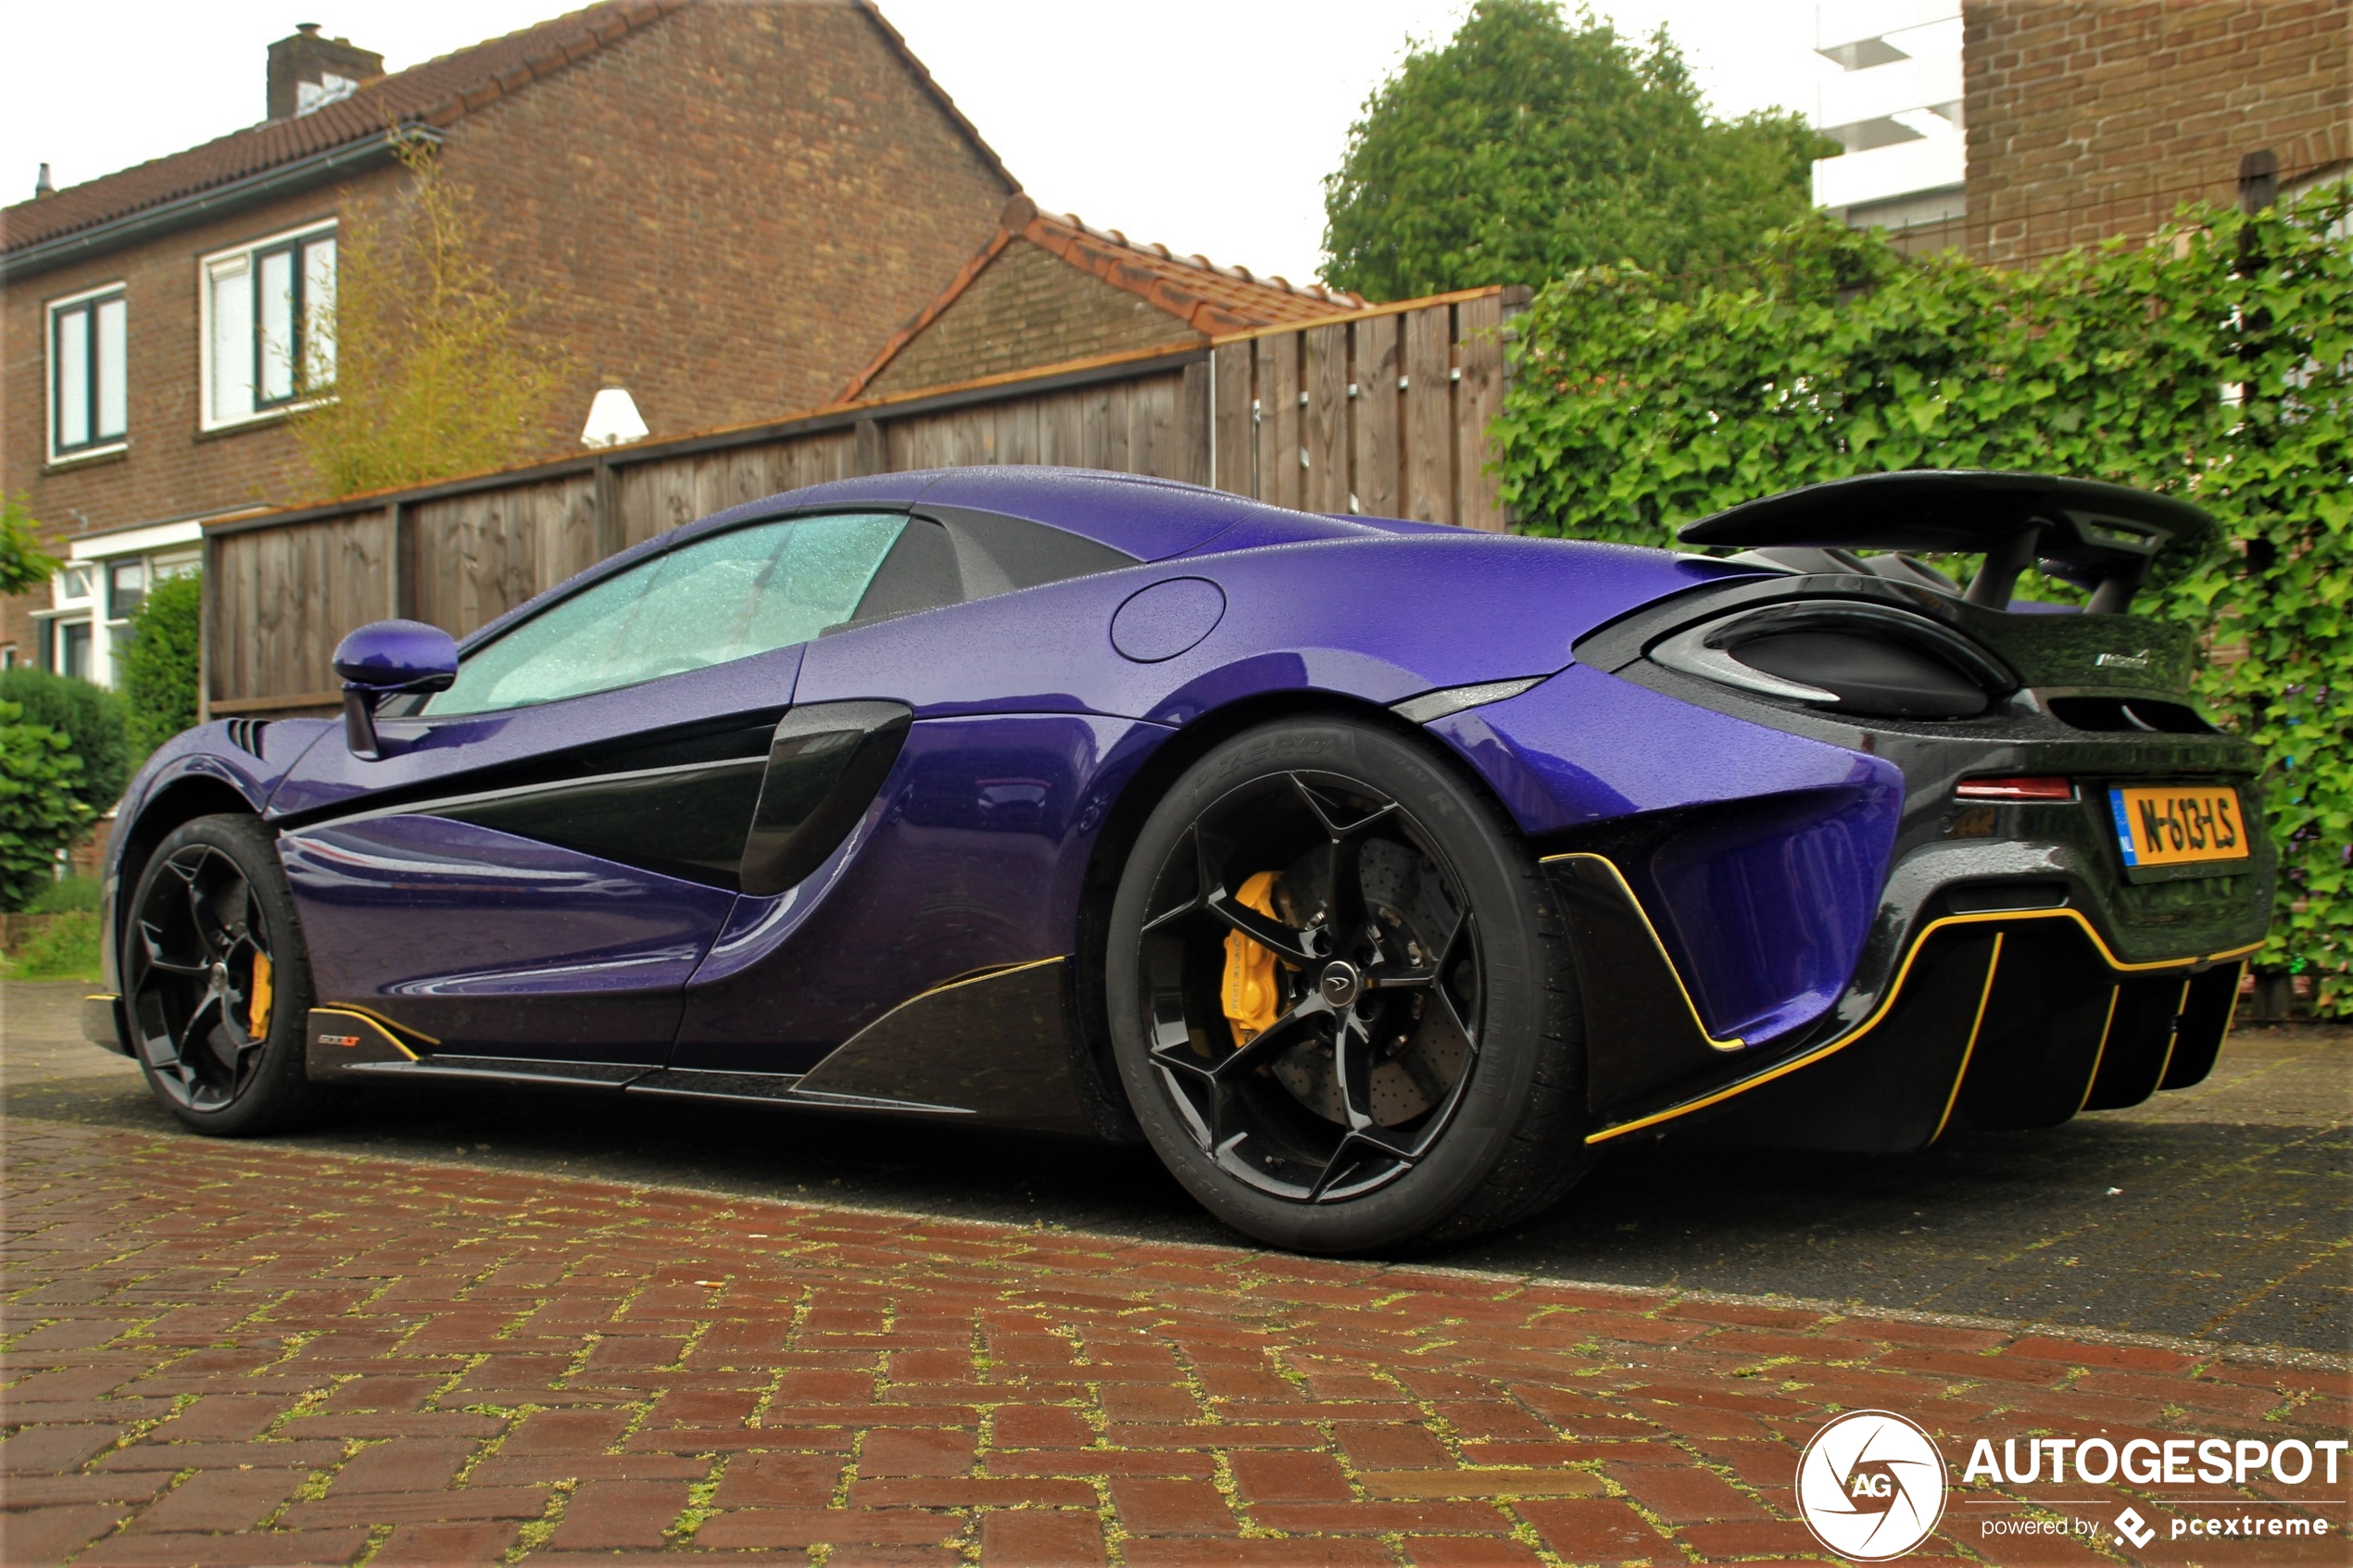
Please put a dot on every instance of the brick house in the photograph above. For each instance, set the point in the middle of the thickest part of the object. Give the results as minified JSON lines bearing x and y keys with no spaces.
{"x":2089,"y":119}
{"x":722,"y":208}
{"x":1046,"y":289}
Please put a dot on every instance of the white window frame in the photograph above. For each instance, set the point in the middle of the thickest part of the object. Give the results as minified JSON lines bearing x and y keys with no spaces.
{"x":162,"y":549}
{"x":249,"y":250}
{"x":98,"y":447}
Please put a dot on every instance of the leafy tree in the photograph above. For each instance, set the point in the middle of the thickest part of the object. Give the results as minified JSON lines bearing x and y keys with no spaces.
{"x":89,"y":715}
{"x":1637,"y":405}
{"x":39,"y":811}
{"x":1529,"y":146}
{"x":24,"y":565}
{"x":431,"y":373}
{"x":159,"y":669}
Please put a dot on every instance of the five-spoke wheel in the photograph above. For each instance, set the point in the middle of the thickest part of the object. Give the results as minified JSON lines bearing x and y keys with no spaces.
{"x":1304,"y":997}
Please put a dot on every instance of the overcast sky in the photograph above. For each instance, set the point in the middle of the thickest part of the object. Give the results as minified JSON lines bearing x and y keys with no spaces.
{"x":1208,"y":126}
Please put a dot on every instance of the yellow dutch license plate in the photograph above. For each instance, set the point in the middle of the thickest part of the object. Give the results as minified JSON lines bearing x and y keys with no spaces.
{"x":2179,"y":825}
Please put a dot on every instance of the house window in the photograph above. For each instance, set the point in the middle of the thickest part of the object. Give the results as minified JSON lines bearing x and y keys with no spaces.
{"x":73,"y":649}
{"x":126,"y":588}
{"x":268,"y":326}
{"x":88,"y":409}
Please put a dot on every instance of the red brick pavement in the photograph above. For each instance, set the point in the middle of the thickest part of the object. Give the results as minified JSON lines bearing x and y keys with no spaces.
{"x":236,"y":1353}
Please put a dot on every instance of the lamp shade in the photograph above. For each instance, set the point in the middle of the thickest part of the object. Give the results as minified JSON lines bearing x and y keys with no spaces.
{"x":614,"y":420}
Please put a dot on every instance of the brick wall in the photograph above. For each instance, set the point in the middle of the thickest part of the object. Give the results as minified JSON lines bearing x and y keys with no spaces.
{"x":728,"y":211}
{"x":1026,"y":309}
{"x":2093,"y":118}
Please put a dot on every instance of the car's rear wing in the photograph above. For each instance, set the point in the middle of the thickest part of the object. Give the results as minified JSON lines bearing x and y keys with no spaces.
{"x":2097,"y":535}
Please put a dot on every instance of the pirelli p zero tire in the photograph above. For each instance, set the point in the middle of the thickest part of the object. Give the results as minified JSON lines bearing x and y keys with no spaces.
{"x":1341,"y":995}
{"x":216,"y":983}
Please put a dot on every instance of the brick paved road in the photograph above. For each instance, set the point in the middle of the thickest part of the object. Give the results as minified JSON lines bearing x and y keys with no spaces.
{"x":223,"y":1353}
{"x":2231,"y":1218}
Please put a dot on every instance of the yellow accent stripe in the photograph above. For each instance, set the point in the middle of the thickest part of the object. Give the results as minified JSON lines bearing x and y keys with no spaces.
{"x":390,"y":1026}
{"x":1984,"y":1001}
{"x":2107,"y":1027}
{"x":976,"y":976}
{"x":103,"y":997}
{"x":1619,"y":877}
{"x":1887,"y":1001}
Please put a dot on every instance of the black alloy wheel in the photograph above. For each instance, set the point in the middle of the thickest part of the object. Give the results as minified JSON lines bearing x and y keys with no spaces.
{"x":217,"y":987}
{"x":1344,"y":1015}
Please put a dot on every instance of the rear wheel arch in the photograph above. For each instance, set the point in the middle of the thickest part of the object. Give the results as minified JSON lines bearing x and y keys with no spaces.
{"x":1125,"y":821}
{"x":1516,"y":1143}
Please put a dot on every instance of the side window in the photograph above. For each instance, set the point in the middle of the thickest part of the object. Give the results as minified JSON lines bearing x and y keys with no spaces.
{"x":745,"y":592}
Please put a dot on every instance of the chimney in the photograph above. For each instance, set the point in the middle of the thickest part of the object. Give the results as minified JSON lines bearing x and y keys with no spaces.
{"x":309,"y":72}
{"x":41,"y":188}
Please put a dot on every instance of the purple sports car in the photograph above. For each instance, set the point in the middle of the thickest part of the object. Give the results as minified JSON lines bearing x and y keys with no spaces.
{"x":1378,"y":874}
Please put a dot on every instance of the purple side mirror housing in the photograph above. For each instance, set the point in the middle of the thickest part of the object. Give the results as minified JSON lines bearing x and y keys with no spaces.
{"x":381,"y":658}
{"x":399,"y":655}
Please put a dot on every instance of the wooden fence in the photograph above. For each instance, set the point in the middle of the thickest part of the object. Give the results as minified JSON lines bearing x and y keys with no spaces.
{"x":1381,"y":411}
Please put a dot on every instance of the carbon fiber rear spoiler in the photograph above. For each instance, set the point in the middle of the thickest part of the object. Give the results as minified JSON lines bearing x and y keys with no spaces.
{"x":2097,"y":535}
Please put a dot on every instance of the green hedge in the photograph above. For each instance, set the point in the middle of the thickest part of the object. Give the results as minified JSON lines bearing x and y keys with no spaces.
{"x":39,"y":814}
{"x":92,"y":719}
{"x":1640,"y":402}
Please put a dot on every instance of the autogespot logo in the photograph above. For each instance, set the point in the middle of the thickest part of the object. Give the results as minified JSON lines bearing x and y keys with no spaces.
{"x":1870,"y":1485}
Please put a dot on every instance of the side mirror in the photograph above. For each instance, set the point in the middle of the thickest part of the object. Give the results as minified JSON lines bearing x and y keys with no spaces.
{"x":383,"y":660}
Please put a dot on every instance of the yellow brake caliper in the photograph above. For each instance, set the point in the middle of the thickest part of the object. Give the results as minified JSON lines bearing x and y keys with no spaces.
{"x":257,"y":1002}
{"x":1250,"y":992}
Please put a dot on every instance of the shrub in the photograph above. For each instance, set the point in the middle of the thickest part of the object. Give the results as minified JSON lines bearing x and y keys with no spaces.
{"x":159,"y":669}
{"x":39,"y":814}
{"x":89,"y":715}
{"x":2214,"y":362}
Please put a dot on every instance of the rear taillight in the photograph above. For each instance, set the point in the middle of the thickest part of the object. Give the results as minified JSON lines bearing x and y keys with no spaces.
{"x":2034,"y":787}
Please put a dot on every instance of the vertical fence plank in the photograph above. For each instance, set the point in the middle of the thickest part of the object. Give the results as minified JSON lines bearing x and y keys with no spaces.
{"x":1278,"y":425}
{"x":1324,"y":421}
{"x":1430,"y":423}
{"x":1195,"y":427}
{"x":1478,"y":398}
{"x":1233,"y":437}
{"x":1380,"y":443}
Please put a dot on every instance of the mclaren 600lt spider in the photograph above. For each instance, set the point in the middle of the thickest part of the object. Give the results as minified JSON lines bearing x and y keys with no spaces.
{"x":1378,"y":875}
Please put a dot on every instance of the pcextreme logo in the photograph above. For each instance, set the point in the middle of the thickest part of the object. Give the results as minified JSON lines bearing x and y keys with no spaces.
{"x":1870,"y":1485}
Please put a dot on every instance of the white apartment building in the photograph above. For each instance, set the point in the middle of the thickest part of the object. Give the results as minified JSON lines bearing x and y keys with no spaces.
{"x":1895,"y":105}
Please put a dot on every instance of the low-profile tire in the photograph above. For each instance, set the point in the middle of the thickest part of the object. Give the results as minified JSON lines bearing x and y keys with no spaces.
{"x":1421,"y":1076}
{"x":210,"y":948}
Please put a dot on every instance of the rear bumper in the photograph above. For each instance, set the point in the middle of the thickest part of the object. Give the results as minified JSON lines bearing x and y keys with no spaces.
{"x":1979,"y":1016}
